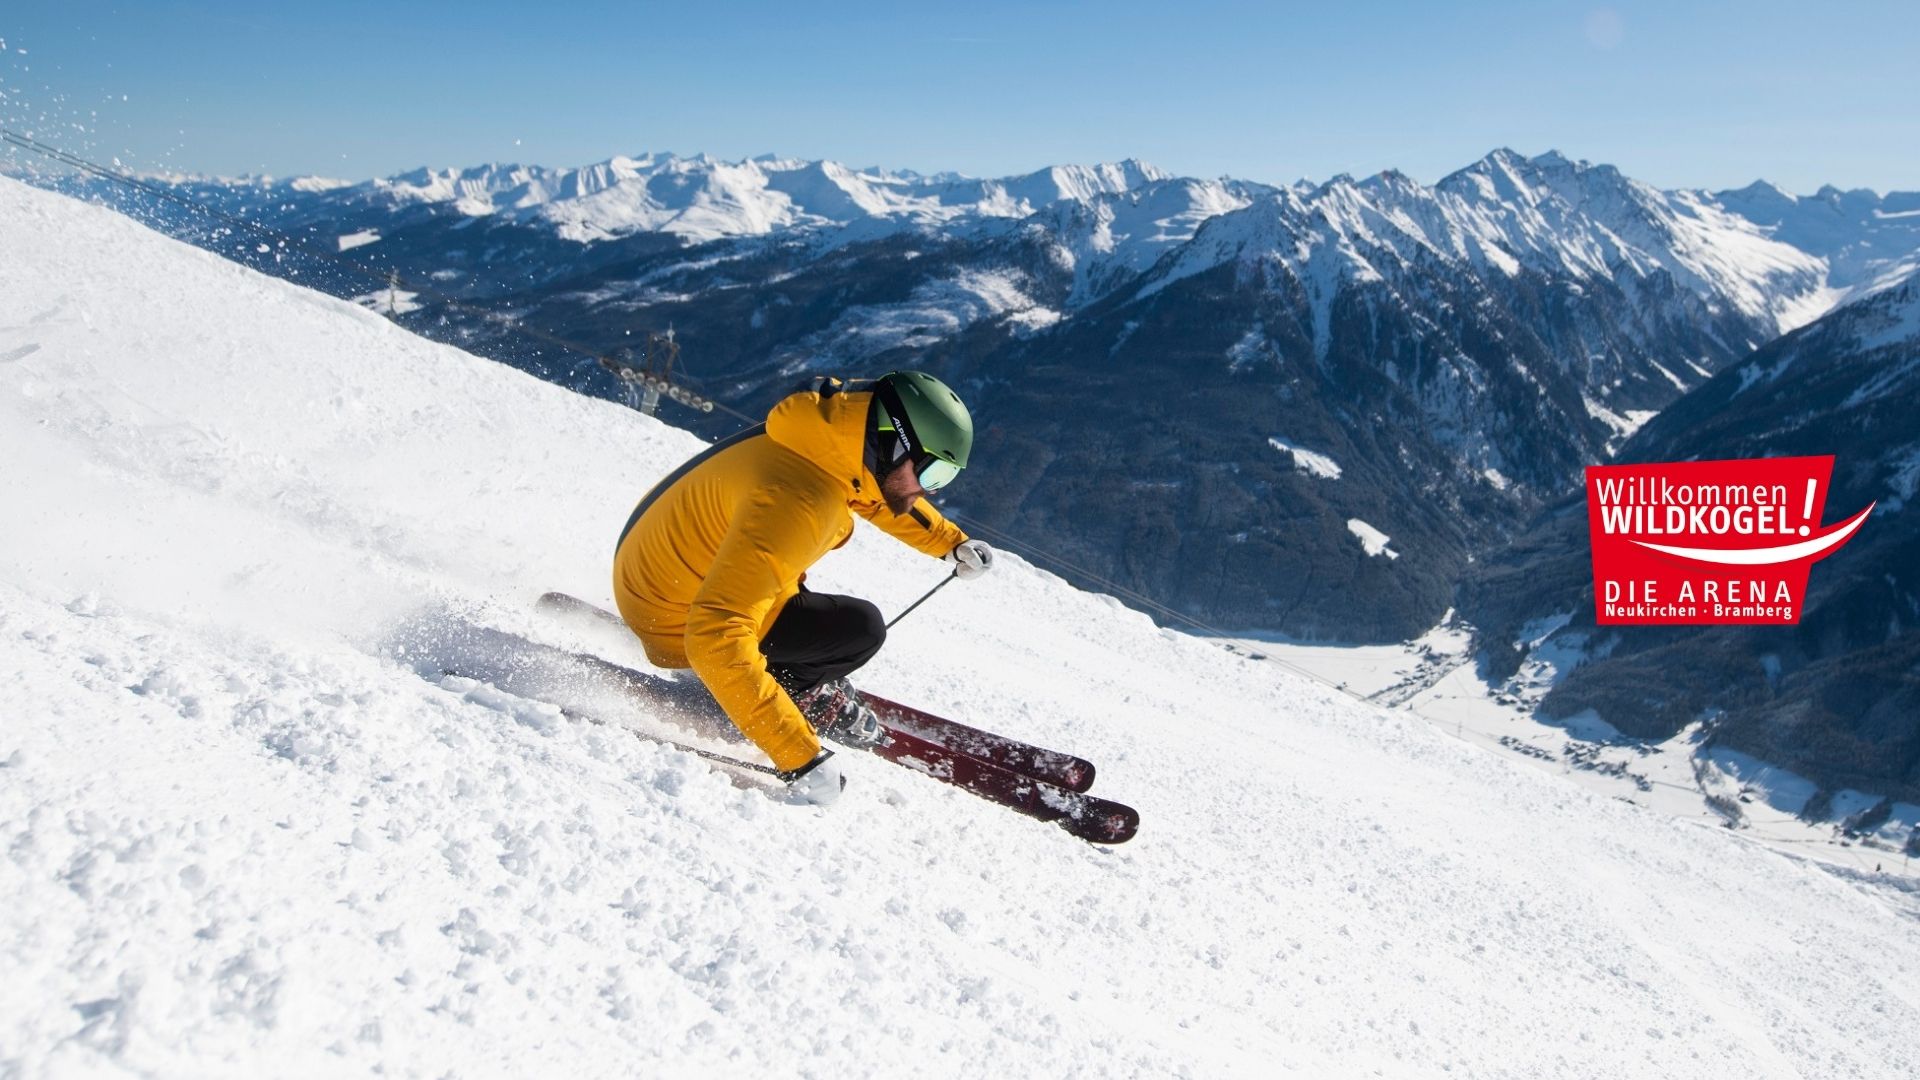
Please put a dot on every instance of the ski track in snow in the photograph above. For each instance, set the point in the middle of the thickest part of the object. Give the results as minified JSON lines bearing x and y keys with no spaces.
{"x":240,"y":834}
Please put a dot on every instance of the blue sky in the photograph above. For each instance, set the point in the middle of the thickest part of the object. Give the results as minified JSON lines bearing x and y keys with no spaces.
{"x":1677,"y":94}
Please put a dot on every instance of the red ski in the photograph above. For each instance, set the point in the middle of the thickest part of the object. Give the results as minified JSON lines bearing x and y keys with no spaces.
{"x":914,"y":739}
{"x":1088,"y":817}
{"x":1053,"y":766}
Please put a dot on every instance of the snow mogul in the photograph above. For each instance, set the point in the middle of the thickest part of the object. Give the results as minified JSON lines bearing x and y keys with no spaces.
{"x":710,"y":570}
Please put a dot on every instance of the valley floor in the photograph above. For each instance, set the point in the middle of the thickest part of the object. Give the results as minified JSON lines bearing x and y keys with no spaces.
{"x":1432,"y":678}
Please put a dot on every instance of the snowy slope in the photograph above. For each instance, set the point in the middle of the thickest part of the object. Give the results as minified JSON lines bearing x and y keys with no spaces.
{"x":1505,"y":212}
{"x":1109,"y":238}
{"x":1594,"y":221}
{"x":243,"y":836}
{"x":1859,"y":233}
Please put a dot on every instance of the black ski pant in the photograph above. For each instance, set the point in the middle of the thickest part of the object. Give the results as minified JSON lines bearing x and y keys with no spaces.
{"x":821,"y":636}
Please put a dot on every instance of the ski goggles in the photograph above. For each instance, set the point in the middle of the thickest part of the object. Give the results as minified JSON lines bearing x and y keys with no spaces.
{"x":936,"y":473}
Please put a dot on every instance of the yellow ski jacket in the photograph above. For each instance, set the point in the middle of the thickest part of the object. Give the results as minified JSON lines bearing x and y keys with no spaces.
{"x":714,"y":552}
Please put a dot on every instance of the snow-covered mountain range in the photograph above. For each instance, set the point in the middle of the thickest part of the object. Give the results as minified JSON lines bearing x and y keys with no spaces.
{"x":696,"y":198}
{"x":1140,"y":346}
{"x":1833,"y":697}
{"x":1545,"y":210}
{"x":247,"y":827}
{"x":1859,"y":233}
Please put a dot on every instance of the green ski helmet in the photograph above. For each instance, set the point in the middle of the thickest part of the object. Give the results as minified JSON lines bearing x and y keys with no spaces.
{"x":919,"y":417}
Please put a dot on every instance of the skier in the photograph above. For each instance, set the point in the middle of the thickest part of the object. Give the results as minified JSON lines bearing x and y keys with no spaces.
{"x":710,"y":569}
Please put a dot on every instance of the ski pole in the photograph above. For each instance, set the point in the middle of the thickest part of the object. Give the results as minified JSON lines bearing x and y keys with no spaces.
{"x":710,"y":755}
{"x":924,"y":599}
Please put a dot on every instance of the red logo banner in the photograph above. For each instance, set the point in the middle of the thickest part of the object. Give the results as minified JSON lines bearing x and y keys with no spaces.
{"x":1709,"y":542}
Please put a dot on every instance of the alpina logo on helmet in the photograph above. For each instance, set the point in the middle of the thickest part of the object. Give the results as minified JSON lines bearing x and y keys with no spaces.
{"x":933,"y":427}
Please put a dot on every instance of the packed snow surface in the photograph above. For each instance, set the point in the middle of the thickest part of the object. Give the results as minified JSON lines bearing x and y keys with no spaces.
{"x":247,"y":828}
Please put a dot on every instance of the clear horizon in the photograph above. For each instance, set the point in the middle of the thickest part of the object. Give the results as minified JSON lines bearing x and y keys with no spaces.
{"x":1677,"y":98}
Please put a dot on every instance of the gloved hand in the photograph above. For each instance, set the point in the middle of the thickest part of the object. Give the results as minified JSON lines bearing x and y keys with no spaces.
{"x":816,"y":783}
{"x":971,"y":559}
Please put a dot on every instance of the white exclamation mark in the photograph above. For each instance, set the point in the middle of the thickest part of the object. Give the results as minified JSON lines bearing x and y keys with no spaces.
{"x":1812,"y":486}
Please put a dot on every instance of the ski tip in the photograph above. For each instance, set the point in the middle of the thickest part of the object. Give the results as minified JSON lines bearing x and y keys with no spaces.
{"x":1104,"y":823}
{"x":564,"y":605}
{"x":1077,"y":776}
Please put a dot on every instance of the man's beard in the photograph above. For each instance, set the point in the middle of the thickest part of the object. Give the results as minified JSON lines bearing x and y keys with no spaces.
{"x":901,"y":489}
{"x":900,"y":503}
